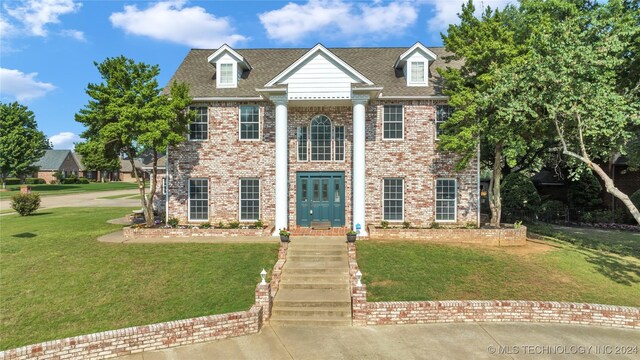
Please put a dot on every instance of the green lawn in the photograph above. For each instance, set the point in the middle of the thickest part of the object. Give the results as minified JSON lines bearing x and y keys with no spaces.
{"x":62,"y":189}
{"x":619,"y":242}
{"x":395,"y":271}
{"x":58,"y":281}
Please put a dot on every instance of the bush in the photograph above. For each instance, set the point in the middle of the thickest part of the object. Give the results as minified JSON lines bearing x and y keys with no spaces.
{"x":25,"y":204}
{"x":519,"y":193}
{"x":584,"y":193}
{"x":234,"y":225}
{"x":205,"y":225}
{"x":173,"y":222}
{"x":220,"y":225}
{"x":34,"y":181}
{"x":406,"y":224}
{"x":74,"y":179}
{"x":552,"y":210}
{"x":258,"y":224}
{"x":384,"y":224}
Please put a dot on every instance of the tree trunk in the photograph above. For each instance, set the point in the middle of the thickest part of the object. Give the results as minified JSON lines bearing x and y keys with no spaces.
{"x":4,"y":184}
{"x":152,"y":190}
{"x":148,"y":213}
{"x":495,"y":201}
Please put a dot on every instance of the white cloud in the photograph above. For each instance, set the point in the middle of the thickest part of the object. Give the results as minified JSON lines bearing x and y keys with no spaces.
{"x":336,"y":18}
{"x":21,"y":86}
{"x":76,"y":34}
{"x":446,"y":11}
{"x":64,"y":140}
{"x":36,"y":14}
{"x":6,"y":28}
{"x":172,"y":21}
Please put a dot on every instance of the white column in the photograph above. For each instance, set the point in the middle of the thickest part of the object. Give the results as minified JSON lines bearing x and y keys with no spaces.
{"x":282,"y":164}
{"x":358,"y":174}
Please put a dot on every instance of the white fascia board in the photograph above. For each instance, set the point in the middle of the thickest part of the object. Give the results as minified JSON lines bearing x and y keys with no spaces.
{"x":227,"y":49}
{"x":417,"y":46}
{"x":272,"y":90}
{"x":228,"y":98}
{"x":328,"y":53}
{"x":416,"y":97}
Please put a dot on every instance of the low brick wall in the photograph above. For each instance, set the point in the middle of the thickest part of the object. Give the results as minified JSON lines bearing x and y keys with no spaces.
{"x":493,"y":237}
{"x":424,"y":312}
{"x":130,"y":232}
{"x":132,"y":340}
{"x":276,"y":273}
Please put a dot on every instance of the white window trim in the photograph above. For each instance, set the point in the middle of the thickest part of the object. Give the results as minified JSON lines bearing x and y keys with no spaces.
{"x":410,"y":80}
{"x":189,"y":200}
{"x":331,"y":156}
{"x":435,"y":199}
{"x":240,"y":199}
{"x":308,"y":143}
{"x":382,"y":197}
{"x":240,"y":123}
{"x":344,"y":144}
{"x":403,"y":127}
{"x":234,"y":75}
{"x":189,"y":135}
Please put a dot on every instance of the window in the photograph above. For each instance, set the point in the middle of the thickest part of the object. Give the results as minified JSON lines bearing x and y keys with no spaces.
{"x":249,"y":199}
{"x":198,"y":128}
{"x":442,"y":114}
{"x":393,"y":199}
{"x":338,"y":143}
{"x":198,"y":199}
{"x":249,"y":123}
{"x":303,"y":132}
{"x":417,"y":72}
{"x":226,"y":74}
{"x":320,"y":138}
{"x":446,"y":200}
{"x":392,"y":122}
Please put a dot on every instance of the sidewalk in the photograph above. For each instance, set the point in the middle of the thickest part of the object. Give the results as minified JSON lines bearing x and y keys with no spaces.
{"x":433,"y":341}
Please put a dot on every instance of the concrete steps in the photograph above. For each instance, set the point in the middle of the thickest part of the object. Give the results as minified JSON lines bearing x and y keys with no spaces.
{"x":314,"y":290}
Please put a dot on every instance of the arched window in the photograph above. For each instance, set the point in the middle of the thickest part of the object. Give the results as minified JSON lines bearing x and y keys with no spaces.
{"x":320,"y":137}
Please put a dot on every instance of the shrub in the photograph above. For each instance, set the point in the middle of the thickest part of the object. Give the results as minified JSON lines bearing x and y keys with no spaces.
{"x":258,"y":224}
{"x":205,"y":225}
{"x":220,"y":225}
{"x":584,"y":193}
{"x":435,"y":225}
{"x":12,"y":181}
{"x":83,"y":181}
{"x":552,"y":210}
{"x":25,"y":204}
{"x":34,"y":181}
{"x":384,"y":224}
{"x":173,"y":222}
{"x":406,"y":224}
{"x":234,"y":225}
{"x":519,"y":193}
{"x":470,"y":225}
{"x":74,"y":179}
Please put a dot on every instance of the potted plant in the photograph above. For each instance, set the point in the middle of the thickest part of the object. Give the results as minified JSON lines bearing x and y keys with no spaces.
{"x":284,"y":235}
{"x":351,"y":236}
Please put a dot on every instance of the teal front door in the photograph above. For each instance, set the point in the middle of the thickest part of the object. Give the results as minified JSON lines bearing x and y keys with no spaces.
{"x":320,"y":198}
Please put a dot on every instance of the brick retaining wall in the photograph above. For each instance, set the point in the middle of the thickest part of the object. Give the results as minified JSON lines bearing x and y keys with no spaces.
{"x":109,"y":344}
{"x":493,"y":237}
{"x":130,"y":232}
{"x":424,"y":312}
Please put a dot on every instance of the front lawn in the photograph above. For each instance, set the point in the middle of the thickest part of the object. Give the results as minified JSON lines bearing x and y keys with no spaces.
{"x":63,"y":189}
{"x":58,"y":281}
{"x":396,"y":271}
{"x":619,"y":242}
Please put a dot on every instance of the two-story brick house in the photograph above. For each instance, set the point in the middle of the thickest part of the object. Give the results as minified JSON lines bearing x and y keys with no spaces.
{"x":317,"y":137}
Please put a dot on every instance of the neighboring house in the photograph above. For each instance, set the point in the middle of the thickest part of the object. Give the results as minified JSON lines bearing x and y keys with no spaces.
{"x":126,"y":171}
{"x":624,"y":179}
{"x":318,"y":137}
{"x":53,"y":161}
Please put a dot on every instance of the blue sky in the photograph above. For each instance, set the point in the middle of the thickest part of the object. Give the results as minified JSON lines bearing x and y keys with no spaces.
{"x":47,"y":47}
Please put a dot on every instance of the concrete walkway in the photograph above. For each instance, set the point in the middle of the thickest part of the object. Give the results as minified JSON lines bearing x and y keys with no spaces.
{"x":87,"y":199}
{"x":434,"y":341}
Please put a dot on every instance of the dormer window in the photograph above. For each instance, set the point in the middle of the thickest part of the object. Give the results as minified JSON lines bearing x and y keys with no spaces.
{"x":415,"y":64}
{"x":417,"y":72}
{"x":225,"y":75}
{"x":229,"y":66}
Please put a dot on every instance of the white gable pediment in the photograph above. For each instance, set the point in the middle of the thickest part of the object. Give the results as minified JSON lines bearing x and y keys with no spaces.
{"x":319,"y":74}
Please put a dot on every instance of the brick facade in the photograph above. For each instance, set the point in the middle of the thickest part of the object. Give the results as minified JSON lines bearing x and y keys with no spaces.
{"x":224,"y":159}
{"x":493,"y":237}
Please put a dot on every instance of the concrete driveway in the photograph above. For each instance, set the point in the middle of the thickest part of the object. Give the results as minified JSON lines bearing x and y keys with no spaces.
{"x":433,"y":341}
{"x":87,"y":199}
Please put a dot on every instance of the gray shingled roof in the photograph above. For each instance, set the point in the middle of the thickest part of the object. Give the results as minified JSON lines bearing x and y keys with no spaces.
{"x":52,"y":160}
{"x":374,"y":63}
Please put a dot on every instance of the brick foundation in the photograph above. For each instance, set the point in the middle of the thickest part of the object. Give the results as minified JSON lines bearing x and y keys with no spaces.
{"x":493,"y":237}
{"x":129,"y":232}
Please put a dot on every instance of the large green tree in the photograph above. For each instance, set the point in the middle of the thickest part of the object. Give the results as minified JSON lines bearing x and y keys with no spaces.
{"x":571,"y":82}
{"x":21,"y":143}
{"x":97,"y":156}
{"x":486,"y":44}
{"x":128,"y":114}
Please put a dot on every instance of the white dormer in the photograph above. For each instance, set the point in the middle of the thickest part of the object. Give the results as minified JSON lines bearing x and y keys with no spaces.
{"x":229,"y":66}
{"x":415,"y":64}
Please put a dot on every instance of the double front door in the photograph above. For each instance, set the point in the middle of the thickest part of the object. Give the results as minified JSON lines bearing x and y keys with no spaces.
{"x":320,"y":198}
